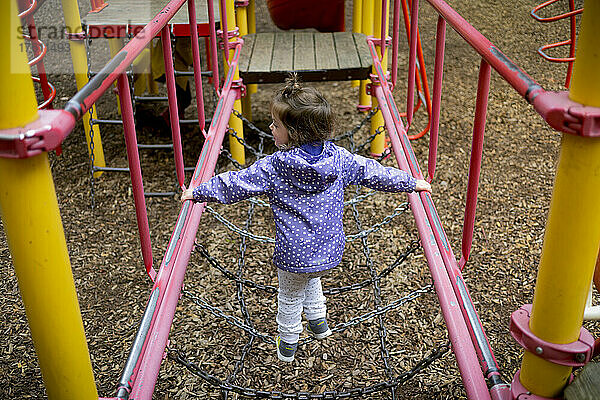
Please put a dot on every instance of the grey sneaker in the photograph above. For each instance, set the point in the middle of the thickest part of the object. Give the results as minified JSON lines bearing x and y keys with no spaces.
{"x":318,"y":328}
{"x":285,"y":351}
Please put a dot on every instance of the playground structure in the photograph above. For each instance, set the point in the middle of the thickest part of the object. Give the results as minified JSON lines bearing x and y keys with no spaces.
{"x":542,"y":377}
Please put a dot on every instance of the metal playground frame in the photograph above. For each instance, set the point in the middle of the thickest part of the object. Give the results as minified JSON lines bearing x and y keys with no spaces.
{"x":550,"y":330}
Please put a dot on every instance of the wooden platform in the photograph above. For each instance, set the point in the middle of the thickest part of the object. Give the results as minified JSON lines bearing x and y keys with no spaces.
{"x":337,"y":56}
{"x":113,"y":19}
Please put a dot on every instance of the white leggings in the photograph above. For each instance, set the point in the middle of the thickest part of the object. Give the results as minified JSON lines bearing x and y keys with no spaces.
{"x":297,"y":292}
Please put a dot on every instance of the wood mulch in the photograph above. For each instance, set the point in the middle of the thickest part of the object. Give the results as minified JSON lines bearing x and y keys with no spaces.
{"x":520,"y":159}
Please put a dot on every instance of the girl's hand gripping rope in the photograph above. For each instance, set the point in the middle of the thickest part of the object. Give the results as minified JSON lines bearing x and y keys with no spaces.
{"x":422,"y":186}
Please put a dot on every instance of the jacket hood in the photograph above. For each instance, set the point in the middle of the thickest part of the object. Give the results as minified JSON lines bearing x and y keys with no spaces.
{"x":309,"y":173}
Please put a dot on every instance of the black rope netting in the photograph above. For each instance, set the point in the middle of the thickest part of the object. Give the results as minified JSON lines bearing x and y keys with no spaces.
{"x":242,"y":319}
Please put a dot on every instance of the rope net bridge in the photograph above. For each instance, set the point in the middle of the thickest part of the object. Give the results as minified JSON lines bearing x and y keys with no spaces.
{"x":228,"y":342}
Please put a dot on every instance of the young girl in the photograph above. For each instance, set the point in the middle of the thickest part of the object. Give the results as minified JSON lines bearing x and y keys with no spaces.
{"x":305,"y":183}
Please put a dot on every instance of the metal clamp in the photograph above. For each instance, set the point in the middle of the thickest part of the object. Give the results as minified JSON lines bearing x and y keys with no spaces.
{"x":377,"y":41}
{"x":239,"y":87}
{"x":44,"y":134}
{"x":75,"y":35}
{"x":234,"y":33}
{"x":566,"y":115}
{"x":376,"y":82}
{"x":575,"y":354}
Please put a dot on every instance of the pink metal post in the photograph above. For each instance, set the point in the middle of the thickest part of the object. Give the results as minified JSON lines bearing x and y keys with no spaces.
{"x":412,"y":60}
{"x":383,"y":34}
{"x":178,"y":255}
{"x":483,"y":89}
{"x":395,"y":40}
{"x":171,"y":273}
{"x":197,"y":65}
{"x":213,"y":45}
{"x":515,"y":76}
{"x":225,"y":29}
{"x":135,"y":171}
{"x":438,"y":74}
{"x":466,"y":357}
{"x":165,"y":36}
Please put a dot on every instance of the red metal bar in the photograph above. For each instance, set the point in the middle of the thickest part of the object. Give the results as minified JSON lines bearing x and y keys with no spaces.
{"x":395,"y":42}
{"x":197,"y":65}
{"x":571,"y":13}
{"x":483,"y":89}
{"x":478,"y":337}
{"x":571,"y":41}
{"x":173,"y":108}
{"x":464,"y":352}
{"x":29,"y":10}
{"x":213,"y":45}
{"x":437,"y":96}
{"x":170,"y":275}
{"x":91,"y":92}
{"x":382,"y":34}
{"x":225,"y":29}
{"x":514,"y":75}
{"x":136,"y":172}
{"x":169,"y":280}
{"x":97,"y":5}
{"x":422,"y":73}
{"x":410,"y":97}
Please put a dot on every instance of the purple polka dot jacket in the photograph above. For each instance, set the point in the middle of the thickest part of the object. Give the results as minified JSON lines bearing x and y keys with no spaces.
{"x":305,"y":187}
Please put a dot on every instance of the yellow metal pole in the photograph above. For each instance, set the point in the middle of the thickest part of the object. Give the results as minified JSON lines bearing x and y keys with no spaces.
{"x":235,"y":147}
{"x":115,"y":45}
{"x":31,"y":221}
{"x":252,"y":29}
{"x":572,"y":233}
{"x":241,"y":16}
{"x":368,"y":9}
{"x":79,"y":58}
{"x":356,"y":25}
{"x":378,"y":143}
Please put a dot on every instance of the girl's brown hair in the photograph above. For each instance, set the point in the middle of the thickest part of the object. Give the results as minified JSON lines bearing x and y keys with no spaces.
{"x":304,"y":112}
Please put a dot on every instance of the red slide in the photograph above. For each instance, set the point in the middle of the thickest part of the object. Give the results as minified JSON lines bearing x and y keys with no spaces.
{"x":325,"y":16}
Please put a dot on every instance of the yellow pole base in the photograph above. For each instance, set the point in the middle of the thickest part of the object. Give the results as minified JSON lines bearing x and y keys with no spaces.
{"x":378,"y":143}
{"x":39,"y":253}
{"x":568,"y":260}
{"x":235,"y":147}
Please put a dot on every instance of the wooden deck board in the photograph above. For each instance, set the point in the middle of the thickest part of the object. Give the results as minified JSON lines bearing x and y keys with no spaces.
{"x":244,"y":61}
{"x":325,"y":52}
{"x":345,"y":48}
{"x":315,"y":56}
{"x":260,"y":59}
{"x":362,"y":48}
{"x":140,"y":12}
{"x":283,"y":52}
{"x":304,"y":51}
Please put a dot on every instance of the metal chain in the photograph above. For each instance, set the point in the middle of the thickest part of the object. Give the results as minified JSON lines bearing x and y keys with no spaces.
{"x":353,"y":131}
{"x":88,"y":43}
{"x":341,"y":327}
{"x":232,"y":132}
{"x":415,"y":244}
{"x":399,"y":210}
{"x":377,"y":297}
{"x":245,"y":323}
{"x":181,"y":358}
{"x":252,"y":127}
